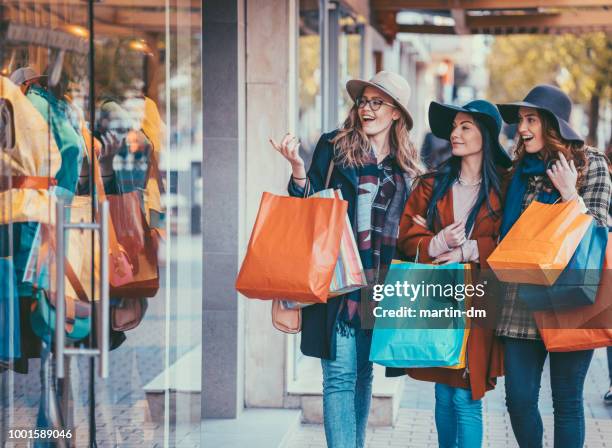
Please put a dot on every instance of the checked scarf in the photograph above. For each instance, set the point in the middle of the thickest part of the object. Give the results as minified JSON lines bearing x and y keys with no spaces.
{"x":381,"y":196}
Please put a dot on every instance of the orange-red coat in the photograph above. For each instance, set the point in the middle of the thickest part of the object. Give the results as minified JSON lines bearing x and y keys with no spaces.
{"x":485,"y":351}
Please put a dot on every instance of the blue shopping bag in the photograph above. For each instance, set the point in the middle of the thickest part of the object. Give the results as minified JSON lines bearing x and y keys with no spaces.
{"x":10,"y":330}
{"x":578,"y":283}
{"x":421,"y":341}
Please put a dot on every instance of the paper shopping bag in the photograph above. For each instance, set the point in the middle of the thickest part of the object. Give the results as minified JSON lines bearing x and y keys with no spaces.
{"x":540,"y":244}
{"x":422,"y":341}
{"x":293,"y":249}
{"x":582,"y":328}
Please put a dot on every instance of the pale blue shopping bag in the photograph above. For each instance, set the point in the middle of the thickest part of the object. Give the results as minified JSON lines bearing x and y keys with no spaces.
{"x":430,"y":338}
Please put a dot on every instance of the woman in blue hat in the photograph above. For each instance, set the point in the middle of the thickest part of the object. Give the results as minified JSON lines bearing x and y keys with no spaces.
{"x":552,"y":162}
{"x":453,"y":215}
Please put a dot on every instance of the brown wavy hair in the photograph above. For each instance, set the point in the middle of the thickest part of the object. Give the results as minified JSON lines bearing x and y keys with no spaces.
{"x":554,"y":144}
{"x":352,"y":145}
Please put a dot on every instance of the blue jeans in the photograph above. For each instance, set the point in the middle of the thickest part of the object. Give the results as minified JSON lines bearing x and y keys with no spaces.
{"x":458,"y":418}
{"x":347,"y":390}
{"x":524,"y":361}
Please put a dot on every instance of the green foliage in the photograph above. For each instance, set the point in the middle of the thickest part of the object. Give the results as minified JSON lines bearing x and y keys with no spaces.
{"x":579,"y":64}
{"x":309,"y":69}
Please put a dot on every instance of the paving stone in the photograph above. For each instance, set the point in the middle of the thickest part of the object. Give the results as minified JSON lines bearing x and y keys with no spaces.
{"x":415,"y":426}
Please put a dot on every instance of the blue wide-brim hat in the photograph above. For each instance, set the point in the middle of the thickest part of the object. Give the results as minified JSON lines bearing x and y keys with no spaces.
{"x":441,"y":118}
{"x":551,"y":100}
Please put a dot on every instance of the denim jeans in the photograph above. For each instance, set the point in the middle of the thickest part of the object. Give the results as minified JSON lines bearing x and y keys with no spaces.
{"x":458,"y":418}
{"x":524,"y":361}
{"x":347,"y":390}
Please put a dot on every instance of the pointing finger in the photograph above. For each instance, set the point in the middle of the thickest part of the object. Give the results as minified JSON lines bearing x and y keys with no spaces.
{"x":273,"y":143}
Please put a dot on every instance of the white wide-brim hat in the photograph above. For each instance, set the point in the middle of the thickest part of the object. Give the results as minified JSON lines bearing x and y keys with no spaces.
{"x":390,"y":83}
{"x":25,"y":74}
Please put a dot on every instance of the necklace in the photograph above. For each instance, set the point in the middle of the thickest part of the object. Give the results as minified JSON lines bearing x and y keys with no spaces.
{"x":467,"y":184}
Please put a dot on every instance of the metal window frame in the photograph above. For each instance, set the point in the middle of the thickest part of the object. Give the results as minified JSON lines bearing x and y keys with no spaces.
{"x":330,"y":32}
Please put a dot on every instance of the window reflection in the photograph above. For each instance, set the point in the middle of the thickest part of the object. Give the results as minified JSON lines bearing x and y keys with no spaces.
{"x":143,"y":126}
{"x":349,"y":60}
{"x":309,"y":66}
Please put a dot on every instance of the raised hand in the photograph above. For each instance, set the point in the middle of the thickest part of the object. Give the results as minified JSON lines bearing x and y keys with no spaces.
{"x":111,"y":144}
{"x":563,"y":176}
{"x":289,"y":149}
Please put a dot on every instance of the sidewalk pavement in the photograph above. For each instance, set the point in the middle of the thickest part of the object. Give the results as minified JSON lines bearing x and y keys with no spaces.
{"x":415,"y":426}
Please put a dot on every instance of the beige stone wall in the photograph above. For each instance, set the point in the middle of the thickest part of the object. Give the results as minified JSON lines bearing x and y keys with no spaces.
{"x":268,"y":97}
{"x":361,"y":7}
{"x":271,"y":110}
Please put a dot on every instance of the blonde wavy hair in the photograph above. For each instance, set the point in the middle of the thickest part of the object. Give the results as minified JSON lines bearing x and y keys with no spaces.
{"x":352,"y":145}
{"x":554,"y":144}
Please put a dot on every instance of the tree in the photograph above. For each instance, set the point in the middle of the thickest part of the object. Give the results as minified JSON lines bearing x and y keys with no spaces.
{"x":578,"y":64}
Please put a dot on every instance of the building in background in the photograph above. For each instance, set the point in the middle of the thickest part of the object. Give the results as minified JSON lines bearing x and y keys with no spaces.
{"x":226,"y":75}
{"x":273,"y":66}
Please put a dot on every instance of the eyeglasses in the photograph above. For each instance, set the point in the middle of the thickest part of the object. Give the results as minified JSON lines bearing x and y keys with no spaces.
{"x":375,"y":103}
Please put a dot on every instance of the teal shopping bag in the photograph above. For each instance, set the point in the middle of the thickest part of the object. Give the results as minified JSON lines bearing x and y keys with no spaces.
{"x":578,"y":283}
{"x":432,"y":334}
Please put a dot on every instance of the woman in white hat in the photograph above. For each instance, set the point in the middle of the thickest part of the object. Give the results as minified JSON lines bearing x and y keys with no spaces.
{"x":373,"y":163}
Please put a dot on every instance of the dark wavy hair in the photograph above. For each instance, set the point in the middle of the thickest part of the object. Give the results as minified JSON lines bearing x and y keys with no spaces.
{"x":553,"y":145}
{"x":446,"y":175}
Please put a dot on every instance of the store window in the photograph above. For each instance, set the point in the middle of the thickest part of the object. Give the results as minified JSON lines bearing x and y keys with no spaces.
{"x":327,"y":29}
{"x":349,"y":58}
{"x":117,"y":82}
{"x":309,"y":74}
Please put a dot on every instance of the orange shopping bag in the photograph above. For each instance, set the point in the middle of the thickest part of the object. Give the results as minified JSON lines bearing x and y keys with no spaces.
{"x":585,"y":327}
{"x":293,"y":249}
{"x":541,"y":243}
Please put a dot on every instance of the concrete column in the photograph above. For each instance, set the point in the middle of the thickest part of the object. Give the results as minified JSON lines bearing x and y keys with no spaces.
{"x":223,"y":176}
{"x":270,"y":46}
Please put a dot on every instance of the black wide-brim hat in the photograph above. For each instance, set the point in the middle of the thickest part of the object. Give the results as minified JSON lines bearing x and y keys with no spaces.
{"x":441,"y":118}
{"x":551,"y":100}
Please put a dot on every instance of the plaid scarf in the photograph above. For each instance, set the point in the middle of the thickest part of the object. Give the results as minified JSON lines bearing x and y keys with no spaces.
{"x":381,"y":195}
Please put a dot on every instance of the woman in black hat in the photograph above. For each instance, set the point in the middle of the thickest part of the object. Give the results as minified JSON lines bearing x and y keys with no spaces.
{"x":373,"y":162}
{"x":552,"y":162}
{"x":453,"y":215}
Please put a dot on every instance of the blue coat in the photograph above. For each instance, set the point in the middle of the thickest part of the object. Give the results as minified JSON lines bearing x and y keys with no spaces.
{"x":319,"y":321}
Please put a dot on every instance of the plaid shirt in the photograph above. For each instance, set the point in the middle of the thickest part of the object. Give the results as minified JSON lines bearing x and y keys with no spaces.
{"x":516,"y":320}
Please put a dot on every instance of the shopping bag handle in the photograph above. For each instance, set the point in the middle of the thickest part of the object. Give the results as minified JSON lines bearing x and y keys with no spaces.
{"x":416,"y":257}
{"x":306,"y":188}
{"x":330,"y":169}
